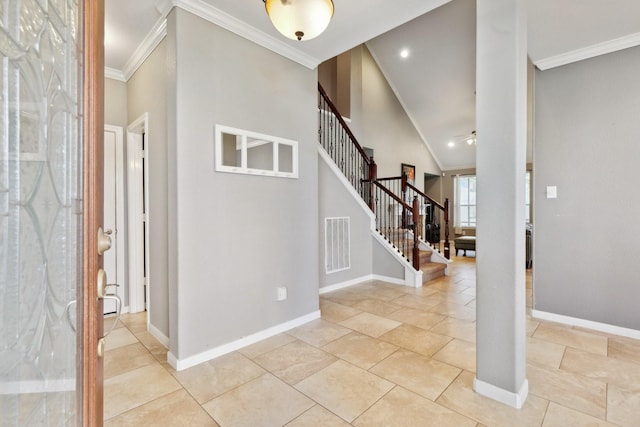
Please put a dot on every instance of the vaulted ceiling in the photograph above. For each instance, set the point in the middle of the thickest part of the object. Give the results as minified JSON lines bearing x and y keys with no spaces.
{"x":435,"y":83}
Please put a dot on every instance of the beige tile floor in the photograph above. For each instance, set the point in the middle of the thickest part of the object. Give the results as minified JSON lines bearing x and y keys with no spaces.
{"x":382,"y":355}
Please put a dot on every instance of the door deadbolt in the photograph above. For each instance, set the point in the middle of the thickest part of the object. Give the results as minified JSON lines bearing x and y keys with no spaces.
{"x":104,"y":241}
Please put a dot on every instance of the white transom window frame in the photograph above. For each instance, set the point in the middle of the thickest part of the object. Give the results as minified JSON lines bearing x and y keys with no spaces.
{"x":243,"y":145}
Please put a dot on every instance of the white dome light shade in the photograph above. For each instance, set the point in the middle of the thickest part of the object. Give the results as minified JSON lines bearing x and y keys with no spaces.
{"x":300,"y":19}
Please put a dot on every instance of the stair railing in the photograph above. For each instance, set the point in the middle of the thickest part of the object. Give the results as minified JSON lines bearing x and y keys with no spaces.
{"x":396,"y":204}
{"x":433,"y":213}
{"x":430,"y":212}
{"x":396,"y":220}
{"x":343,"y":147}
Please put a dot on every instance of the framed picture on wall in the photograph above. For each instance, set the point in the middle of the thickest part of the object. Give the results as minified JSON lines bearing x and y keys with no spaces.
{"x":410,"y":171}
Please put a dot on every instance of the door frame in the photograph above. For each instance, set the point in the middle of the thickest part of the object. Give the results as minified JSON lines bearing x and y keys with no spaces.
{"x":120,"y":242}
{"x":137,"y":256}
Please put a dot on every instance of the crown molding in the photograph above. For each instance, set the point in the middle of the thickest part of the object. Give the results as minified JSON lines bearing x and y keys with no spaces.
{"x":592,"y":51}
{"x":150,"y":42}
{"x":216,"y":16}
{"x":112,"y":73}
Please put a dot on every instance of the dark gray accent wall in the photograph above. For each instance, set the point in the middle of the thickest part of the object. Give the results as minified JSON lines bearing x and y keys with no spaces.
{"x":587,"y":143}
{"x":239,"y":237}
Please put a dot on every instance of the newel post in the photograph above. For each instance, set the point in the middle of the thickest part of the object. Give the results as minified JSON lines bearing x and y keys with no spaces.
{"x":447,"y":250}
{"x":416,"y":244}
{"x":373,"y":176}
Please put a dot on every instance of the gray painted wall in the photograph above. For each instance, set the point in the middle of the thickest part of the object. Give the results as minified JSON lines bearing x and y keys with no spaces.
{"x":380,"y":122}
{"x":147,"y":92}
{"x":115,"y":103}
{"x":384,"y":264}
{"x":336,"y":201}
{"x":239,"y":237}
{"x":586,"y":144}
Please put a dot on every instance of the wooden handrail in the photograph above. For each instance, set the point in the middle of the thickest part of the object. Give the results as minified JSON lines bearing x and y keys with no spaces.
{"x":361,"y":169}
{"x":391,"y":178}
{"x":393,"y":196}
{"x":425,"y":196}
{"x":335,"y":112}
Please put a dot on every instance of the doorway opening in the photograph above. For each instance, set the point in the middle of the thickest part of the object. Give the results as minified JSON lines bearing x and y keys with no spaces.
{"x":114,"y":216}
{"x":433,"y":186}
{"x":138,"y":215}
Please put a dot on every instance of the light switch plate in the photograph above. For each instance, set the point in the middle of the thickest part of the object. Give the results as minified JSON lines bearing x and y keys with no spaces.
{"x":552,"y":192}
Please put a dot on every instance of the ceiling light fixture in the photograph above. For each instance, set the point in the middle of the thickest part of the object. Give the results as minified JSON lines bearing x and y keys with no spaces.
{"x":299,"y":19}
{"x":472,"y":139}
{"x":451,"y":144}
{"x":404,"y":53}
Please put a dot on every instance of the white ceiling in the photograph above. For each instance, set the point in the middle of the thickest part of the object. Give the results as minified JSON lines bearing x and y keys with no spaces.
{"x":436,"y":83}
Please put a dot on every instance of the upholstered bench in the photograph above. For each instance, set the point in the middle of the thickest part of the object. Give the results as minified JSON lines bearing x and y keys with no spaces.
{"x":465,"y":243}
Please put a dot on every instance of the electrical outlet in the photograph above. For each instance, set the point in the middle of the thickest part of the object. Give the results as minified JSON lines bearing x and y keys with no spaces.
{"x":282,"y":293}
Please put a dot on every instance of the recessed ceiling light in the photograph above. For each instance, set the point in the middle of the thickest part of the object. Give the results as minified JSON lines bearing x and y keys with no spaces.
{"x":404,"y":53}
{"x":451,"y":144}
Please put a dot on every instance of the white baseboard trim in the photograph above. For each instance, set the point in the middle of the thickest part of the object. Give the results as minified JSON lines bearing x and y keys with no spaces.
{"x":164,"y":340}
{"x":37,"y":386}
{"x":589,"y":324}
{"x":348,"y":283}
{"x":391,"y":280}
{"x":188,"y":362}
{"x":515,"y":400}
{"x":362,"y":279}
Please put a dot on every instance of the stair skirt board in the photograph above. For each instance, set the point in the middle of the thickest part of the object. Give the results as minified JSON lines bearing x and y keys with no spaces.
{"x":429,"y":271}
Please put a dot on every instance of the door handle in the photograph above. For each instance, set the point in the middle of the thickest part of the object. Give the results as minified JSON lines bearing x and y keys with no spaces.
{"x":67,"y":314}
{"x":118,"y":301}
{"x":102,"y":286}
{"x":104,"y":241}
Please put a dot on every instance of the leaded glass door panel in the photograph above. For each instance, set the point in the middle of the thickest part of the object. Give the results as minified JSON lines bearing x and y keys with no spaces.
{"x":43,"y":207}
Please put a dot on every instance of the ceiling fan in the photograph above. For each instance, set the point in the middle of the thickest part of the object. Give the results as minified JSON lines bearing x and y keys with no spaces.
{"x":469,"y":138}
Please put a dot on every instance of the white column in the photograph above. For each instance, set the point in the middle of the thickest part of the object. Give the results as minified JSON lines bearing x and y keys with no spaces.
{"x":501,"y":106}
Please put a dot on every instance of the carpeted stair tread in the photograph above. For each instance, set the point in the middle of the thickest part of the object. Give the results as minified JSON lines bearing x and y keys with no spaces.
{"x":432,"y":270}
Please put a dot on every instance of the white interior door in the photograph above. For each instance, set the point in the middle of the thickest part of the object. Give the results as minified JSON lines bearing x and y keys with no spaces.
{"x":137,"y":199}
{"x":114,"y":214}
